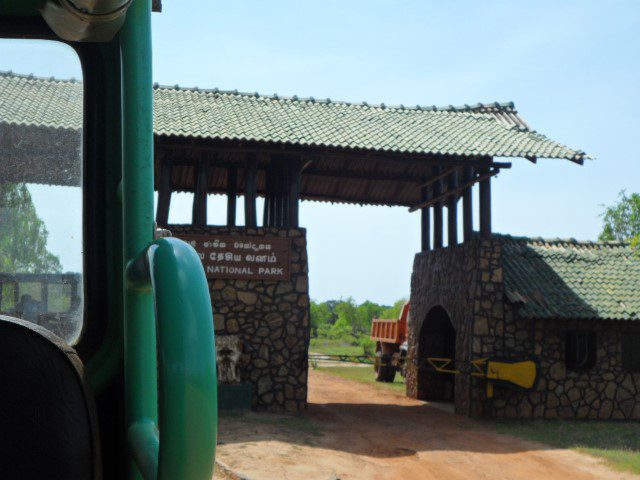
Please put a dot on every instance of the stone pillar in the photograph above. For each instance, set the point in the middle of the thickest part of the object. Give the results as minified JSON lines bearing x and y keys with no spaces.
{"x":272,"y":320}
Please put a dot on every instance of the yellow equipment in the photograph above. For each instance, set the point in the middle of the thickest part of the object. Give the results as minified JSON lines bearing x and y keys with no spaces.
{"x":523,"y":374}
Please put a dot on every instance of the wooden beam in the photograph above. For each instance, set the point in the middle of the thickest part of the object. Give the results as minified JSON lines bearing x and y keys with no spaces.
{"x":440,"y":176}
{"x":199,"y":217}
{"x":250,"y":190}
{"x":443,"y":196}
{"x":425,"y":222}
{"x":438,"y":237}
{"x":485,"y":203}
{"x":233,"y":146}
{"x":360,"y":176}
{"x":467,"y":205}
{"x":431,"y":181}
{"x":452,"y":209}
{"x":164,"y":194}
{"x":232,"y":181}
{"x":306,"y":161}
{"x":421,"y":160}
{"x":294,"y":193}
{"x":392,"y":158}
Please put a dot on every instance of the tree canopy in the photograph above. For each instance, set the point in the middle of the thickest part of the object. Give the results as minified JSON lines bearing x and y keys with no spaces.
{"x":345,"y":319}
{"x":621,"y":221}
{"x":23,"y":235}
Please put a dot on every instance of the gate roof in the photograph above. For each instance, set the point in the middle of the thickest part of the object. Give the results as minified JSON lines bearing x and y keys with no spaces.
{"x":358,"y":153}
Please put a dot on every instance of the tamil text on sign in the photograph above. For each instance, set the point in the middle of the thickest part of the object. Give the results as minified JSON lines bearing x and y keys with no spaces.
{"x":244,"y":258}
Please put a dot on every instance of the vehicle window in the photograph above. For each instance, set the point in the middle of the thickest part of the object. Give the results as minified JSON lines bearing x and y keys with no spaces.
{"x":41,"y":186}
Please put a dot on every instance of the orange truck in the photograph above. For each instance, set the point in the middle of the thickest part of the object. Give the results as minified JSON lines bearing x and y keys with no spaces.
{"x":390,"y":336}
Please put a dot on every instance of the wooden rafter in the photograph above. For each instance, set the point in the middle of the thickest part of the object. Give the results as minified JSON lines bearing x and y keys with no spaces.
{"x":456,"y":191}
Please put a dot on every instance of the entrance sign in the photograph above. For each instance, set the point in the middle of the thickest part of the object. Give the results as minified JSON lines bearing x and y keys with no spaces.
{"x":242,"y":258}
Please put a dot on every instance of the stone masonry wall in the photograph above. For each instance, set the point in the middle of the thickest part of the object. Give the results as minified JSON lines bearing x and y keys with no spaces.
{"x":445,"y":278}
{"x":467,"y":281}
{"x":272,"y":320}
{"x":605,"y":391}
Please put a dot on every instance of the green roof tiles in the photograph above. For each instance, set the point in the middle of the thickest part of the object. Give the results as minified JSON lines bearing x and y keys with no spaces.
{"x":569,"y":279}
{"x":488,"y":130}
{"x":33,"y":101}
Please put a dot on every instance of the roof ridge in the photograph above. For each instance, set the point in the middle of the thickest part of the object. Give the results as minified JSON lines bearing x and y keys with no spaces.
{"x":474,"y":108}
{"x":478,"y":107}
{"x":31,"y":76}
{"x":570,"y":241}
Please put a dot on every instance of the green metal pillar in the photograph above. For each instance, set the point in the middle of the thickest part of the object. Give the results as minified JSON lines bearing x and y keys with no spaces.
{"x":141,"y":398}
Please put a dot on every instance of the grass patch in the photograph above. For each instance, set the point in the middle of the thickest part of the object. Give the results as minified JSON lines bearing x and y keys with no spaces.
{"x":334,"y":347}
{"x":616,"y":442}
{"x":364,"y":375}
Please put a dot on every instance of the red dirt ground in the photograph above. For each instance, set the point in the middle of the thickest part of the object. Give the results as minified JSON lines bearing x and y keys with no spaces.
{"x":356,"y":431}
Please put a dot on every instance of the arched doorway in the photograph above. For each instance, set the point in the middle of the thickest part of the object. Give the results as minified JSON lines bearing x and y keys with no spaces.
{"x":437,"y":339}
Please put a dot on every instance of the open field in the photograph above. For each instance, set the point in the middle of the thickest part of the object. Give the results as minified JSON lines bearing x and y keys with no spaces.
{"x":354,"y":430}
{"x":364,"y":375}
{"x":334,"y":347}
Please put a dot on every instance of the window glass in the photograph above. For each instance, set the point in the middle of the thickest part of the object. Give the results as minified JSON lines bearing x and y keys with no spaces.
{"x":580,"y":351}
{"x":41,"y":186}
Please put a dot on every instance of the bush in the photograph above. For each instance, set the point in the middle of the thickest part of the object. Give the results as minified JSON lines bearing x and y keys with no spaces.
{"x":368,"y":345}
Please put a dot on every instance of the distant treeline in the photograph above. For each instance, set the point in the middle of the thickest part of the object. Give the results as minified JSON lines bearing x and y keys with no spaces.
{"x":347,"y":321}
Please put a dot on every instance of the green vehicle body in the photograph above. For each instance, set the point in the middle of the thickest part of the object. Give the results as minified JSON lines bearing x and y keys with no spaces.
{"x":160,"y":332}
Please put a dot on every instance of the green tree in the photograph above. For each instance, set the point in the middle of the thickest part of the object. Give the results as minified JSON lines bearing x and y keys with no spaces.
{"x":321,"y":317}
{"x":622,"y":220}
{"x":346,"y":311}
{"x":23,"y":235}
{"x":394,"y":311}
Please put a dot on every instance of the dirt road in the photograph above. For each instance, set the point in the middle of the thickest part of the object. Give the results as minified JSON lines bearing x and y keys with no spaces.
{"x":355,"y":431}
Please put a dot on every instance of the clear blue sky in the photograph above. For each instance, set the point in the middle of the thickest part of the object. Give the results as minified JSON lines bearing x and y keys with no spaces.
{"x":572,"y":69}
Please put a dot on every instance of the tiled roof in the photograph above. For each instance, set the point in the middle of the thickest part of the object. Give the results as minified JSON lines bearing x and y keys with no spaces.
{"x":564,"y":279}
{"x":34,"y":101}
{"x":479,"y":130}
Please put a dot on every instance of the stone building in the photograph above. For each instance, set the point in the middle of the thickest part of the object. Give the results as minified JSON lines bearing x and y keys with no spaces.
{"x":573,"y":306}
{"x":219,"y":146}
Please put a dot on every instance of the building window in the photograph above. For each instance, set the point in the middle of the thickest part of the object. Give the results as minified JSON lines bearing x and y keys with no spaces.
{"x":580,"y":350}
{"x":631,"y":352}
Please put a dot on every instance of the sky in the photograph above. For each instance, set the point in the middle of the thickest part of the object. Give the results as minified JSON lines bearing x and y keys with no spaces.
{"x":571,"y":67}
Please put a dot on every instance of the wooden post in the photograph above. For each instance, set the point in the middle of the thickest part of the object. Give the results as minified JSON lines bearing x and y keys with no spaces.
{"x":467,"y":206}
{"x":425,"y":221}
{"x":268,"y":197}
{"x":265,"y":212}
{"x":250,"y":191}
{"x":452,"y":209}
{"x":276,"y":191}
{"x":200,"y":195}
{"x":283,"y":183}
{"x":437,"y":212}
{"x":164,"y":194}
{"x":294,"y":192}
{"x":232,"y":180}
{"x":485,"y":205}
